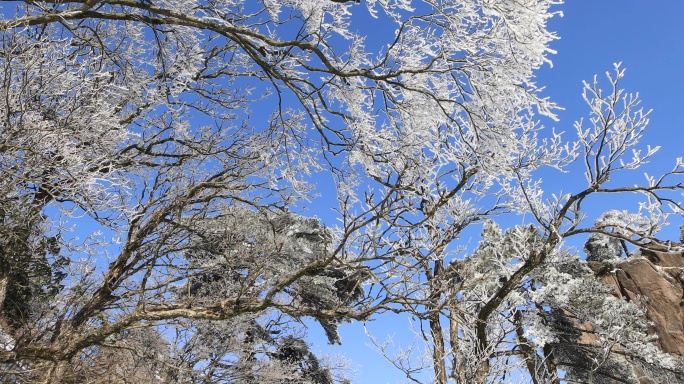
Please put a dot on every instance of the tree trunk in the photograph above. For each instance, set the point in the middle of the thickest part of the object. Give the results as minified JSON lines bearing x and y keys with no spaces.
{"x":528,"y":353}
{"x":438,"y":354}
{"x":459,"y":373}
{"x":483,"y":366}
{"x":550,"y":361}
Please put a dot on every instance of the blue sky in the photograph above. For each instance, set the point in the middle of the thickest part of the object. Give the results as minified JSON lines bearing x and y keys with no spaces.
{"x":648,"y":38}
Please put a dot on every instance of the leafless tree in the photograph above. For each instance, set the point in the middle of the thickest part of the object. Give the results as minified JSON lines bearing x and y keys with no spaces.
{"x":153,"y":153}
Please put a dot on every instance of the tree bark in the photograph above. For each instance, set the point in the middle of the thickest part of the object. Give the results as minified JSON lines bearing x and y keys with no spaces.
{"x":550,"y":362}
{"x":528,"y":353}
{"x":459,"y":373}
{"x":438,"y":354}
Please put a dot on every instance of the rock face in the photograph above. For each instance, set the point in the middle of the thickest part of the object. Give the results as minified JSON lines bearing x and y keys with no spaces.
{"x":655,"y":282}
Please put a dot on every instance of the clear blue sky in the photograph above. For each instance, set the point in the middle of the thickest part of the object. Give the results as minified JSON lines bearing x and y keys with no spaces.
{"x":648,"y":38}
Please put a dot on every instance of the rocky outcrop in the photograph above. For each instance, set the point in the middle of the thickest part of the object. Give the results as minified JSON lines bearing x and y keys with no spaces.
{"x":655,"y":282}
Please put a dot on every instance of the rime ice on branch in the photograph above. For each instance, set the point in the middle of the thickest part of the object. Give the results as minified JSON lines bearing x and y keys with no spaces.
{"x":153,"y":153}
